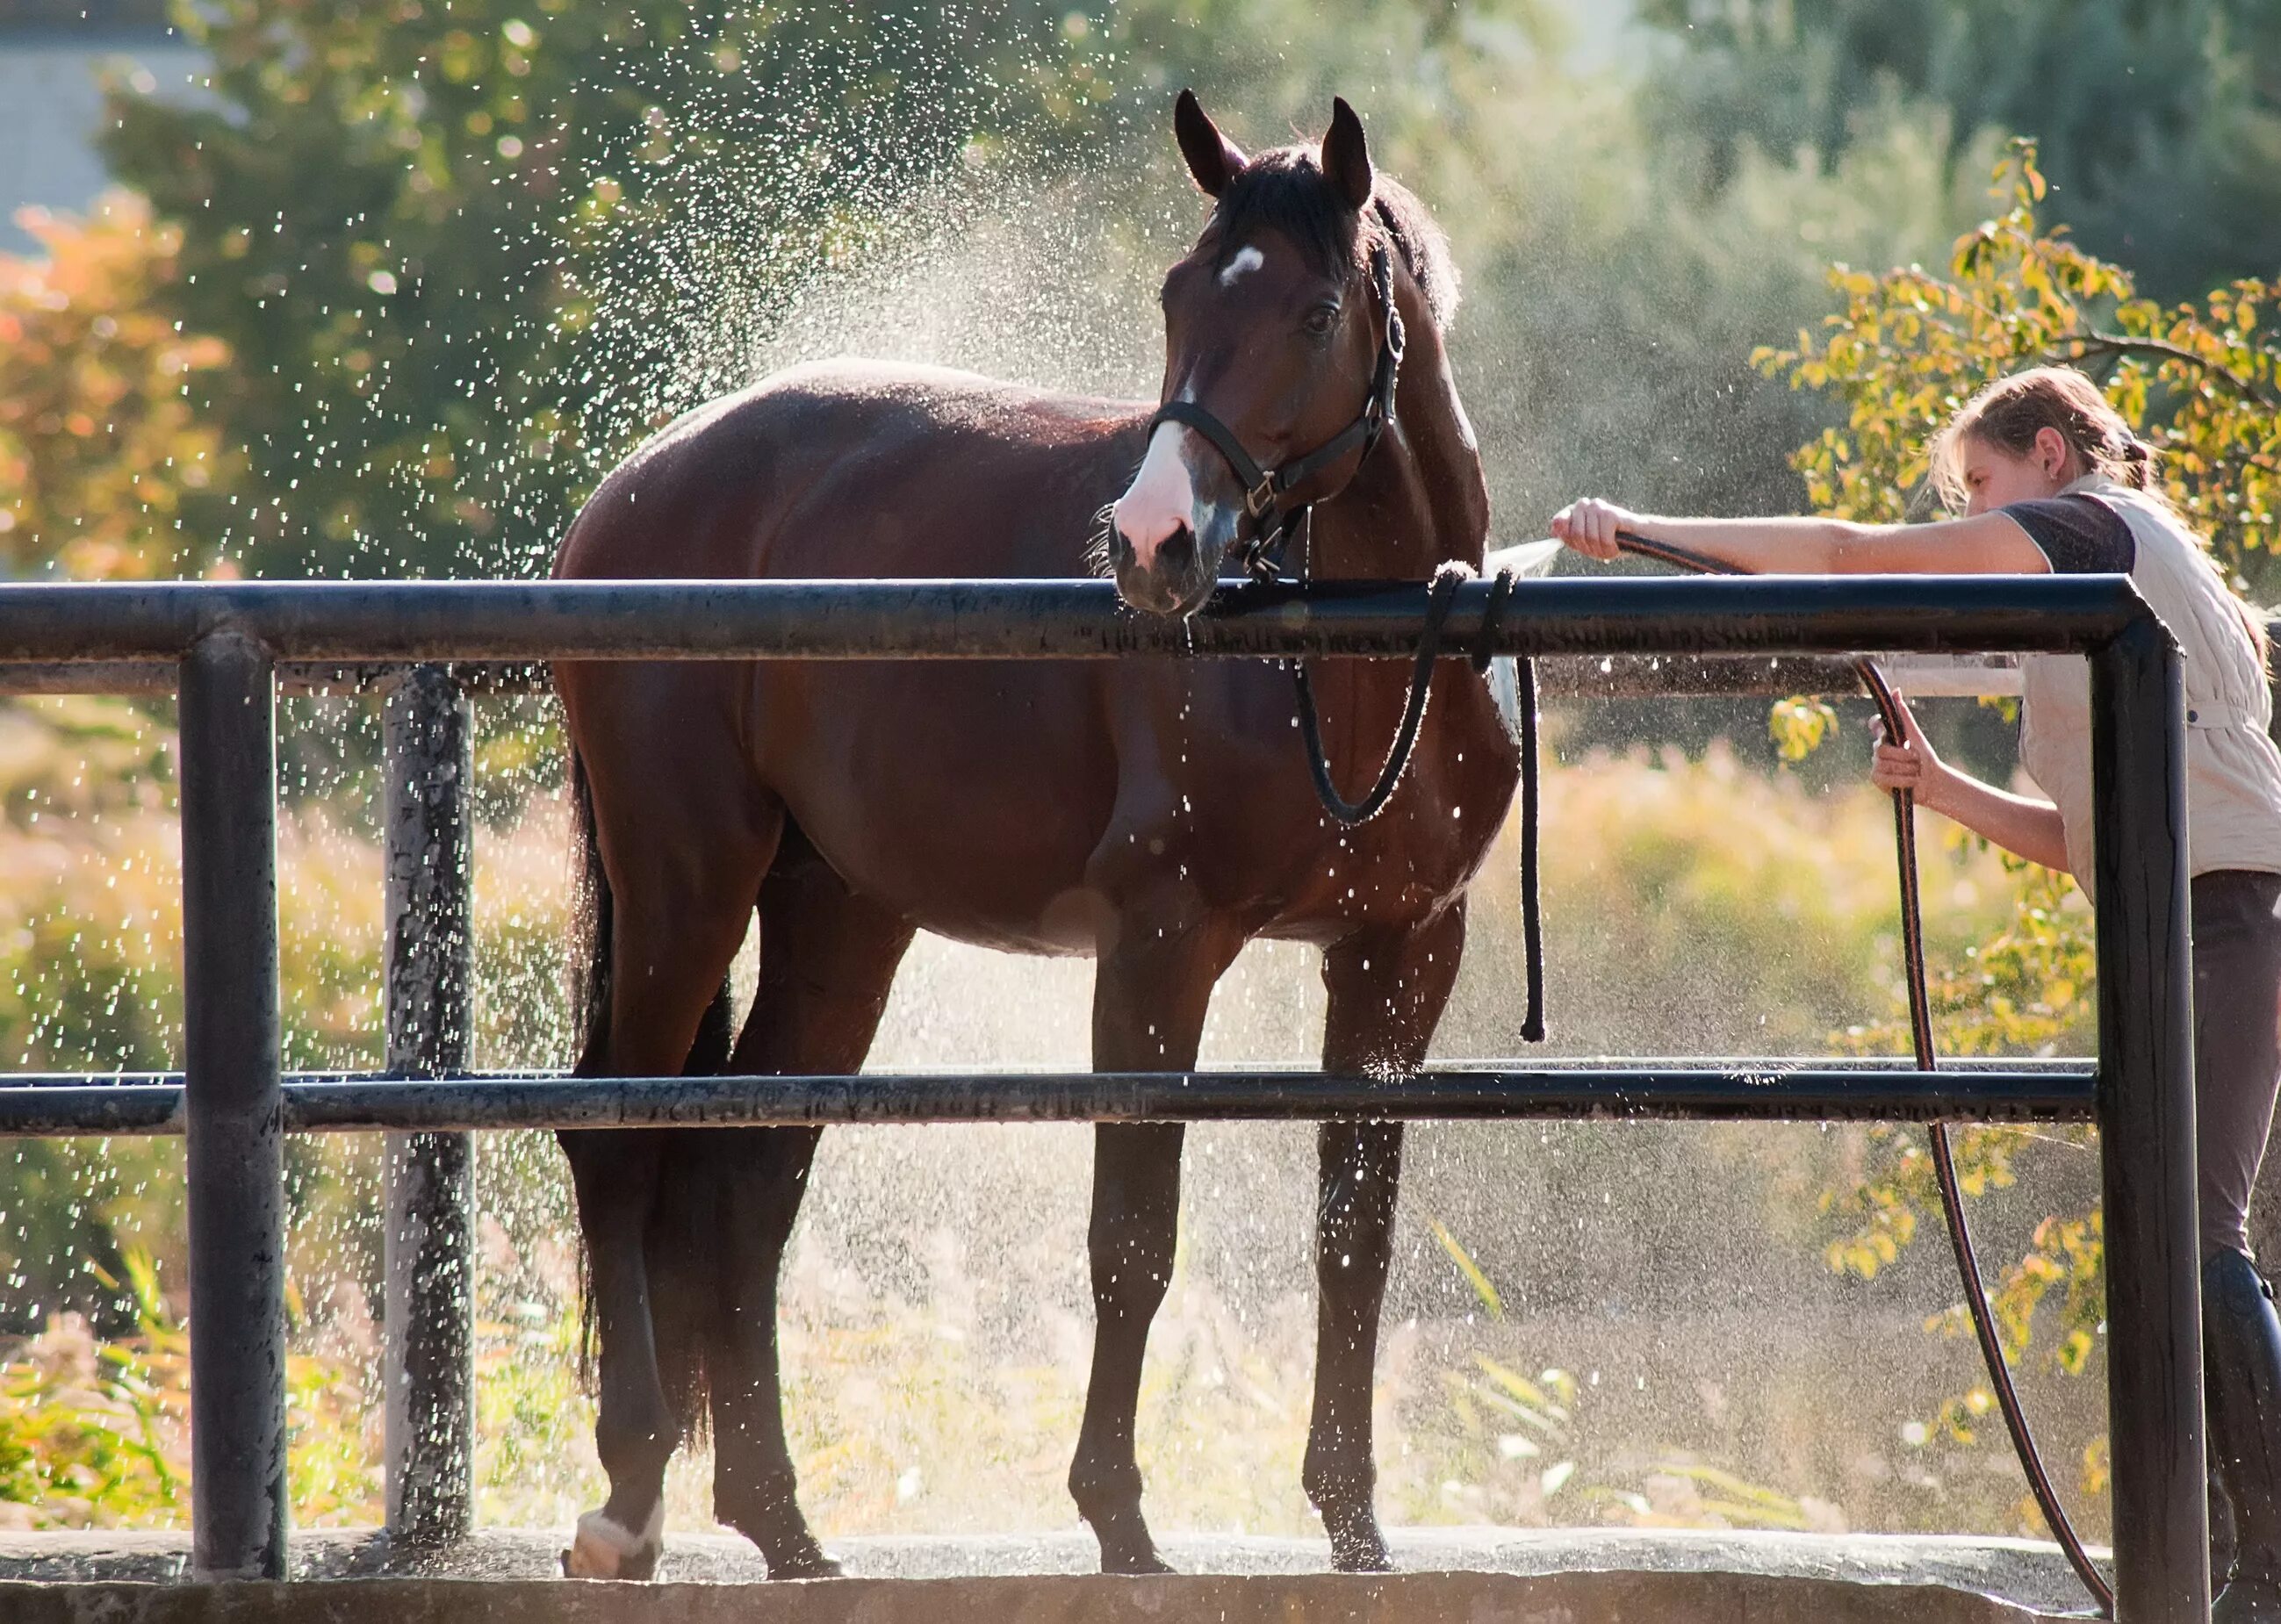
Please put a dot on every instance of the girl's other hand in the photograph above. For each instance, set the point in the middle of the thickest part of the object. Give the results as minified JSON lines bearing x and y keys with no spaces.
{"x":1589,"y":526}
{"x":1909,"y":765}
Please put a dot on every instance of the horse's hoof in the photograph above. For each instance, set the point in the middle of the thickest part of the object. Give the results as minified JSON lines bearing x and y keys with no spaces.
{"x":603,"y":1549}
{"x":1358,"y":1547}
{"x":1126,"y":1547}
{"x":808,"y":1564}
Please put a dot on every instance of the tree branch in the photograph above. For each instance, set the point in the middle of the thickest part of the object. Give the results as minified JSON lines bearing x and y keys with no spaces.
{"x":2116,"y":345}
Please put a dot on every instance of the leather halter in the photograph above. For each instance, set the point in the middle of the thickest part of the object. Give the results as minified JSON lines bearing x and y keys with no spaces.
{"x":1267,"y":525}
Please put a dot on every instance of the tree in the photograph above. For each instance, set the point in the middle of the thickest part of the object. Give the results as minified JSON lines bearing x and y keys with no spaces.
{"x":2200,"y":381}
{"x":466,"y":253}
{"x":104,"y":469}
{"x":2161,"y":125}
{"x":399,"y":217}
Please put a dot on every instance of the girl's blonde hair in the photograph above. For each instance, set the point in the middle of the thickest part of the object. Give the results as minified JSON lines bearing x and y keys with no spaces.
{"x":2011,"y":411}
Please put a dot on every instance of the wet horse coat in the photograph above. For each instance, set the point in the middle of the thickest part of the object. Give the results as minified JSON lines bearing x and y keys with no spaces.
{"x":1154,"y":814}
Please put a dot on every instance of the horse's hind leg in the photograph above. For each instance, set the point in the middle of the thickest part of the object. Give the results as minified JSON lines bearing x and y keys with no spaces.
{"x":1385,"y":998}
{"x":828,"y":958}
{"x":685,"y":853}
{"x":1150,"y":993}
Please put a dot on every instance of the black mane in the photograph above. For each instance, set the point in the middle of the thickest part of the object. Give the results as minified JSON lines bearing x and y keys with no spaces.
{"x":1286,"y":191}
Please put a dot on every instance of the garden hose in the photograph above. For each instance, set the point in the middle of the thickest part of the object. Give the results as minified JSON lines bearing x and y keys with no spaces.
{"x":1943,"y":1161}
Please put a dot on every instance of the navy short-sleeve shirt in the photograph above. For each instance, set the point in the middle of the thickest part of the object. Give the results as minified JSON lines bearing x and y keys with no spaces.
{"x":2079,"y":535}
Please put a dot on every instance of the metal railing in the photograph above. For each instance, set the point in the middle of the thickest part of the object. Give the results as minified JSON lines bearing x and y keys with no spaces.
{"x":224,"y":648}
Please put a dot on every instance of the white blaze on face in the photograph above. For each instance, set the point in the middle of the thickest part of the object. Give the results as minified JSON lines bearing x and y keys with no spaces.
{"x":1247,"y":258}
{"x":1162,"y":497}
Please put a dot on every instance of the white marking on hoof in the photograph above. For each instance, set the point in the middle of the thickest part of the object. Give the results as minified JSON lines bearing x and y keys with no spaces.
{"x":1247,"y":258}
{"x":601,"y":1547}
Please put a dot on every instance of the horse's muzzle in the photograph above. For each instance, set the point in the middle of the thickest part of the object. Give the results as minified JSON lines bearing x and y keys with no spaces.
{"x":1176,"y":580}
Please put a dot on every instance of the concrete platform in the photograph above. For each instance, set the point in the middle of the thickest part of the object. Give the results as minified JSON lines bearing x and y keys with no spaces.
{"x":1558,"y":1576}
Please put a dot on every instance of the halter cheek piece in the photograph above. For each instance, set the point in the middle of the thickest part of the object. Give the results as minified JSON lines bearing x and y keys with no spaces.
{"x":1268,"y":526}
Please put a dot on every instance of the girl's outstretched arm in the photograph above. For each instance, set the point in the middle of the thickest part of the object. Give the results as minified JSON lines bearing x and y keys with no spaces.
{"x":1985,"y":543}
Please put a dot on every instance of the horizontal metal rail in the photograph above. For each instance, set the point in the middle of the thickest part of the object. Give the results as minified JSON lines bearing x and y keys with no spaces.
{"x":1733,"y":1090}
{"x":1560,"y":676}
{"x":351,"y":622}
{"x":1574,"y":676}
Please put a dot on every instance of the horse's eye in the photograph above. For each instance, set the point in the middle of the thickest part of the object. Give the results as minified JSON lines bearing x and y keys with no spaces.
{"x":1321,"y":320}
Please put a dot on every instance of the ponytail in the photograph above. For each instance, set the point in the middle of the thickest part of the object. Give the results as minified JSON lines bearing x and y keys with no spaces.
{"x":2136,"y":469}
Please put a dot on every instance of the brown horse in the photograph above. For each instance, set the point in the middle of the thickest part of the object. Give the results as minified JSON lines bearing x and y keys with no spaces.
{"x":1155,"y":814}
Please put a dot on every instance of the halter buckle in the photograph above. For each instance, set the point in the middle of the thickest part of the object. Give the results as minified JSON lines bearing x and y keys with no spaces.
{"x":1260,"y":499}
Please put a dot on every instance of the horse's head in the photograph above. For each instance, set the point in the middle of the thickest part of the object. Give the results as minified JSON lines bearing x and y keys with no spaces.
{"x":1274,"y":334}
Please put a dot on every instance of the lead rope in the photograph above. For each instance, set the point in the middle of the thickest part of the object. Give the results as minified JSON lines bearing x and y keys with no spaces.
{"x":1943,"y":1161}
{"x":1352,"y":813}
{"x":1524,"y":685}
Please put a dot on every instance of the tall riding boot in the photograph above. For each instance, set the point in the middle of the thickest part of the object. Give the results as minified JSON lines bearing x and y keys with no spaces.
{"x":2241,"y":1379}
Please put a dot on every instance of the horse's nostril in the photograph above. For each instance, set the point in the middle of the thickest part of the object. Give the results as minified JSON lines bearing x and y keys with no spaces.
{"x":1178,"y":550}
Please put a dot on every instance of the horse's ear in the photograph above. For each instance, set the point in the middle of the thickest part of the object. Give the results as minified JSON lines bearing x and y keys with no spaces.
{"x":1212,"y":158}
{"x":1346,"y":157}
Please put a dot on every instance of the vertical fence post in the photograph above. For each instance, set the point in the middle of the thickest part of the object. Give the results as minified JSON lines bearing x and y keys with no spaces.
{"x":231,"y":1063}
{"x":2146,"y":1131}
{"x":431,"y":1222}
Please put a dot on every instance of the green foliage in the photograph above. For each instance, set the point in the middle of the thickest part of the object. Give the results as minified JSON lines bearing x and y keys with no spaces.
{"x":1515,"y":1446}
{"x":2161,"y":123}
{"x":1702,"y":907}
{"x":2026,"y":990}
{"x":2203,"y":382}
{"x":398,"y":216}
{"x":1797,"y":726}
{"x":1693,"y":887}
{"x":90,"y":955}
{"x":104,"y":470}
{"x":2200,"y":381}
{"x":464,"y":256}
{"x":96,"y":1433}
{"x":1492,"y":1304}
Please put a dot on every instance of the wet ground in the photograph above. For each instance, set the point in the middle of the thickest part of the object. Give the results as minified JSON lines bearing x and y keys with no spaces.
{"x":1581,"y":1574}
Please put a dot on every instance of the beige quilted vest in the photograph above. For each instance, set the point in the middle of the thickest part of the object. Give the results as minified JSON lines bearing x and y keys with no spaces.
{"x":2233,"y":771}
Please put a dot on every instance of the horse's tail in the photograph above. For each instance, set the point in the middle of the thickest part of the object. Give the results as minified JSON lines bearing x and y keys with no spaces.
{"x":681,"y":1247}
{"x":684,"y":1221}
{"x":591,"y":917}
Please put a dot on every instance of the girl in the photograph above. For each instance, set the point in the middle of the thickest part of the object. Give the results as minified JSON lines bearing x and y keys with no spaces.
{"x":2049,"y":479}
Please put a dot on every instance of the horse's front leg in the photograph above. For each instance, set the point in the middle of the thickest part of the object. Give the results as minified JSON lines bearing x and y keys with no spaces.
{"x":1157,"y":964}
{"x":1387,"y":991}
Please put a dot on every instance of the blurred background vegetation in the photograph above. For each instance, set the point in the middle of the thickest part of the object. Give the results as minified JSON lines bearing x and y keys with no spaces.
{"x":383,"y":289}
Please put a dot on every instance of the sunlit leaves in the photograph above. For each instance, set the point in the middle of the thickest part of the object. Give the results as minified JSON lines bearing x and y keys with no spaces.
{"x":2026,"y":990}
{"x":1798,"y":725}
{"x":95,"y":1433}
{"x":2200,"y":382}
{"x":408,"y":221}
{"x":101,"y":456}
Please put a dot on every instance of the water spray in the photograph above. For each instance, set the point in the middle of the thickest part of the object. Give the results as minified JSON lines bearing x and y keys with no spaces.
{"x":1943,"y":1161}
